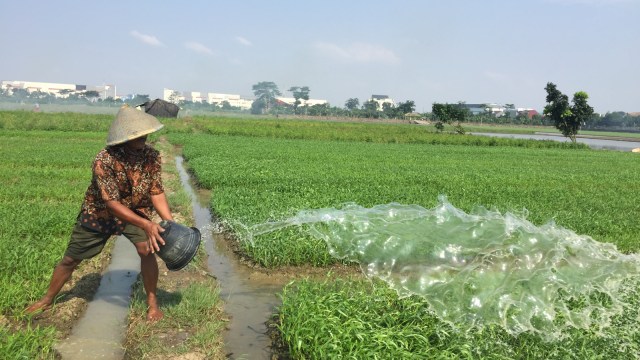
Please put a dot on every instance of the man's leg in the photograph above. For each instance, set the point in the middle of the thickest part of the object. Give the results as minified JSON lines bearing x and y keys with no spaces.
{"x":83,"y":244}
{"x":149,"y":270}
{"x":61,"y":274}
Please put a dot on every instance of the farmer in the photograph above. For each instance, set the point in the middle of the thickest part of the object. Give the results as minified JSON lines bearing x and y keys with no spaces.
{"x":125,"y":189}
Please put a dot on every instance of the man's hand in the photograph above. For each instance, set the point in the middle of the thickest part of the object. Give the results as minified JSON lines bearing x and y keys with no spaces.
{"x":153,"y":231}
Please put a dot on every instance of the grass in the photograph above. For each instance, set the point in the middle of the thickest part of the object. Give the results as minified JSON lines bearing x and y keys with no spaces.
{"x":189,"y":324}
{"x":262,"y":170}
{"x":31,"y":343}
{"x":44,"y":176}
{"x":264,"y":176}
{"x":360,"y":319}
{"x":346,"y":132}
{"x":255,"y":180}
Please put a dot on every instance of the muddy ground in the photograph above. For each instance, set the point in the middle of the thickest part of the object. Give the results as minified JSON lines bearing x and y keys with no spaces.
{"x":75,"y":295}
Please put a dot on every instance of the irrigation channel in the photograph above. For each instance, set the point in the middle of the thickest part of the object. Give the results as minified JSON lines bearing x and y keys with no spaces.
{"x":594,"y":143}
{"x":249,"y":296}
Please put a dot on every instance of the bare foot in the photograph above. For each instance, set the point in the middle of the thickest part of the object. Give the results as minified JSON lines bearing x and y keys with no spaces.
{"x":154,"y":314}
{"x":39,"y":306}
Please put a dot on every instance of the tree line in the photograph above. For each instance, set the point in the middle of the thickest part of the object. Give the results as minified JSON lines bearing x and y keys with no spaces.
{"x":266,"y":93}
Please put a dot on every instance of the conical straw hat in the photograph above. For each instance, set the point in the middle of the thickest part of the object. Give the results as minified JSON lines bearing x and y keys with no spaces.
{"x":130,"y":124}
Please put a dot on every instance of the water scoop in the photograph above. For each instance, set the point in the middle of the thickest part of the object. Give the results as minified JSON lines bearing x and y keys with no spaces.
{"x":181,"y":244}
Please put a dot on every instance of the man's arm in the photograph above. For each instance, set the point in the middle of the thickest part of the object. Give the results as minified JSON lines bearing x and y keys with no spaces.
{"x":161,"y":205}
{"x":152,"y":229}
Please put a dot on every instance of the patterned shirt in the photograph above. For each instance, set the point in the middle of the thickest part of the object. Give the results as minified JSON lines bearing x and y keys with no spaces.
{"x":128,"y":178}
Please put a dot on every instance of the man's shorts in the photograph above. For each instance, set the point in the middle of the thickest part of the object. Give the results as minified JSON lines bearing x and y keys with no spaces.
{"x":86,"y":243}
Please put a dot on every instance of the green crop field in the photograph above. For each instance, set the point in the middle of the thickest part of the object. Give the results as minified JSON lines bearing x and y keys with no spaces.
{"x":43,"y":175}
{"x":262,"y":175}
{"x":260,"y":179}
{"x":270,"y":169}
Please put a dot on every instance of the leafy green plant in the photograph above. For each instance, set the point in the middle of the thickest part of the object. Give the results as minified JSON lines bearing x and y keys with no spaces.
{"x":255,"y":180}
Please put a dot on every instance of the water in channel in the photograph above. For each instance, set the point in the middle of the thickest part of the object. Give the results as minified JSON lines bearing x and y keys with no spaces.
{"x":100,"y":332}
{"x":598,"y":144}
{"x":249,"y":297}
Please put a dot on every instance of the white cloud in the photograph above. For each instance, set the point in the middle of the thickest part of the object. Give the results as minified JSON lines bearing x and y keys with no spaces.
{"x":243,"y":41}
{"x":358,"y":52}
{"x":147,"y":39}
{"x":197,"y":47}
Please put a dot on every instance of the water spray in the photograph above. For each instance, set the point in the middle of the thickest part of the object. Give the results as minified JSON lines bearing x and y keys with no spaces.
{"x":480,"y":268}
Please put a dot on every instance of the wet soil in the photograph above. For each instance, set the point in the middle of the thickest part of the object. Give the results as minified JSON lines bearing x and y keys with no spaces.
{"x":169,"y":282}
{"x":285,"y":274}
{"x":75,"y":295}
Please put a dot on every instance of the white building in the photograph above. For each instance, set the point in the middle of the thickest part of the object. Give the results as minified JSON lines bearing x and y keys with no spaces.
{"x":381,"y":100}
{"x":173,"y":96}
{"x":303,"y":102}
{"x":234,"y":100}
{"x":193,"y":96}
{"x":58,"y":89}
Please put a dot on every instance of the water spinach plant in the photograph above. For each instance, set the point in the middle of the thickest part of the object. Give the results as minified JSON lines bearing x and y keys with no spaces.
{"x":258,"y":176}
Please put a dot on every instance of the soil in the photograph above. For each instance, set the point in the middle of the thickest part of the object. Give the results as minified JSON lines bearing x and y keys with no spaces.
{"x":284,"y":274}
{"x":168,"y":282}
{"x":75,"y":295}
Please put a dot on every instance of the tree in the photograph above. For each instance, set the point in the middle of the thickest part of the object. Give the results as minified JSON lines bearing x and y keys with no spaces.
{"x":613,"y":119}
{"x":352,"y":104}
{"x":567,"y":118}
{"x":265,"y":92}
{"x":174,"y":97}
{"x":319,"y":110}
{"x":581,"y":110}
{"x":226,"y":105}
{"x":20,"y":94}
{"x":447,"y":113}
{"x":406,"y":107}
{"x":370,"y":109}
{"x":389,"y":110}
{"x":138,"y":99}
{"x":258,"y":107}
{"x":65,"y":93}
{"x":299,"y":93}
{"x":91,"y":94}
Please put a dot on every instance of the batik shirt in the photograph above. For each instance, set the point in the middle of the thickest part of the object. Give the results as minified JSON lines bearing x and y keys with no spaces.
{"x":128,"y":178}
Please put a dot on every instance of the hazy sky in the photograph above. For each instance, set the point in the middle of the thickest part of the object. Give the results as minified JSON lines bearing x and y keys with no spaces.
{"x":502,"y":51}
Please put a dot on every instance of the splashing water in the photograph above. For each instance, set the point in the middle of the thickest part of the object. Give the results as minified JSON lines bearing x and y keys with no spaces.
{"x":480,"y":268}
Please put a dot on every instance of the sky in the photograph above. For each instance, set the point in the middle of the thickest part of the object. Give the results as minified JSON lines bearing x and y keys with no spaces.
{"x":476,"y":51}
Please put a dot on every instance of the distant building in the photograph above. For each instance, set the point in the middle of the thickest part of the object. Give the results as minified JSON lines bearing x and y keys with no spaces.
{"x":234,"y":100}
{"x":303,"y":102}
{"x":382,"y":99}
{"x":173,"y":96}
{"x":58,"y":89}
{"x":498,"y":110}
{"x":528,"y":112}
{"x":193,"y":96}
{"x":475,"y":109}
